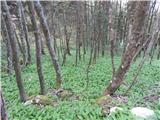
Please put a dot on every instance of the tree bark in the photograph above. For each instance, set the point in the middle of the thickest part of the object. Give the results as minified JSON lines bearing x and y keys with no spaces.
{"x":153,"y":38}
{"x":133,"y":45}
{"x":38,"y":46}
{"x":78,"y":34}
{"x":22,"y":34}
{"x":47,"y":35}
{"x":25,"y":33}
{"x":111,"y":39}
{"x":3,"y":113}
{"x":8,"y":45}
{"x":12,"y":39}
{"x":66,"y":33}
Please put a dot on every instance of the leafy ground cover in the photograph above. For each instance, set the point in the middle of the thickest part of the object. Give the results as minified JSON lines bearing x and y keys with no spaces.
{"x":144,"y":93}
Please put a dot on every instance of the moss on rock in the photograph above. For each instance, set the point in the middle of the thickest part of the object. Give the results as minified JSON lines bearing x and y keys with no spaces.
{"x":104,"y":100}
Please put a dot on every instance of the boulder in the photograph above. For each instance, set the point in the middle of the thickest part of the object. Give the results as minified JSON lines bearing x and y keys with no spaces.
{"x":39,"y":100}
{"x":143,"y":113}
{"x":65,"y":94}
{"x":104,"y":100}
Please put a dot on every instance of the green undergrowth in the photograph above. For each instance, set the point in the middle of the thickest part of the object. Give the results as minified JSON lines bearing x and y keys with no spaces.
{"x":74,"y":78}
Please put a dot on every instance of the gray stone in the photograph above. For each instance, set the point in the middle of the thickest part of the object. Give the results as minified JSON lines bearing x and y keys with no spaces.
{"x":142,"y":113}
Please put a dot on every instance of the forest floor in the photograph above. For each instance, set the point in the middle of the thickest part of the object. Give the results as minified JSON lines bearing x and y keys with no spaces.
{"x":144,"y":93}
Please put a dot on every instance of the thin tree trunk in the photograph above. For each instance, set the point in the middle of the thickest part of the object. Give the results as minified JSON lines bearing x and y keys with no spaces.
{"x":25,"y":33}
{"x":3,"y":113}
{"x":22,"y":34}
{"x":53,"y":28}
{"x":38,"y":46}
{"x":42,"y":46}
{"x":67,"y":50}
{"x":66,"y":33}
{"x":111,"y":39}
{"x":94,"y":35}
{"x":12,"y":39}
{"x":8,"y":45}
{"x":158,"y":55}
{"x":46,"y":32}
{"x":78,"y":53}
{"x":18,"y":42}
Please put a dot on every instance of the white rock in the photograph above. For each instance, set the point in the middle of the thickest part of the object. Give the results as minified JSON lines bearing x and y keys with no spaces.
{"x":29,"y":102}
{"x":142,"y":112}
{"x":114,"y":109}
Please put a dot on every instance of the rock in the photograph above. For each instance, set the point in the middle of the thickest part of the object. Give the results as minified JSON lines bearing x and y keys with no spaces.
{"x":105,"y":111}
{"x":143,"y":113}
{"x":29,"y":102}
{"x":65,"y":94}
{"x":109,"y":110}
{"x":104,"y":100}
{"x":115,"y":109}
{"x":39,"y":100}
{"x":42,"y":99}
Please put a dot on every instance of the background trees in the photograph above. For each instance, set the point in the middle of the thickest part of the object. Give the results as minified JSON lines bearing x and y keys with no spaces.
{"x":83,"y":31}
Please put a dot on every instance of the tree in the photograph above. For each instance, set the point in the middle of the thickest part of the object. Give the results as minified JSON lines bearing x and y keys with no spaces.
{"x":38,"y":46}
{"x":25,"y":29}
{"x":11,"y":33}
{"x":111,"y":38}
{"x":22,"y":35}
{"x":49,"y":43}
{"x":8,"y":45}
{"x":3,"y":114}
{"x":135,"y":42}
{"x":78,"y":33}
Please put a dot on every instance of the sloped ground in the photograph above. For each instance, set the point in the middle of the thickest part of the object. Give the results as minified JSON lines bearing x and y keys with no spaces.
{"x":145,"y":92}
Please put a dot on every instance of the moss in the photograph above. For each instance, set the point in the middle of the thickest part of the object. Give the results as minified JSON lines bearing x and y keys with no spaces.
{"x":104,"y":100}
{"x":65,"y":94}
{"x":42,"y":100}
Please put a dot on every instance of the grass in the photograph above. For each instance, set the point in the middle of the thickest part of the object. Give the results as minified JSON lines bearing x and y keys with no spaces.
{"x":75,"y":79}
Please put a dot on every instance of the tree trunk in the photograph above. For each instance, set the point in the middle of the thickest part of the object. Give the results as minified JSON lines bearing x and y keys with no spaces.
{"x":22,"y":34}
{"x":8,"y":45}
{"x":78,"y":34}
{"x":111,"y":39}
{"x":42,"y":46}
{"x":38,"y":46}
{"x":94,"y":34}
{"x":66,"y":33}
{"x":133,"y":45}
{"x":47,"y":35}
{"x":12,"y":39}
{"x":25,"y":33}
{"x":3,"y":114}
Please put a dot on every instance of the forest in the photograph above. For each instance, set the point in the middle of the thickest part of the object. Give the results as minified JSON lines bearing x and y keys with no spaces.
{"x":80,"y":60}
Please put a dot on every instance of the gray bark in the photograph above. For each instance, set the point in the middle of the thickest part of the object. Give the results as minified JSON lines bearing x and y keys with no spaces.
{"x":25,"y":33}
{"x":38,"y":46}
{"x":135,"y":42}
{"x":8,"y":45}
{"x":49,"y":43}
{"x":22,"y":34}
{"x":12,"y":39}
